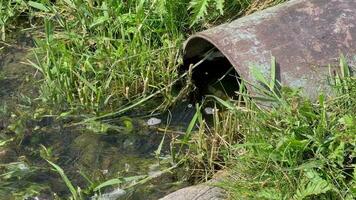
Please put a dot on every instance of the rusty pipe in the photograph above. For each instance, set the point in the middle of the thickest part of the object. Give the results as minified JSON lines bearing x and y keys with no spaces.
{"x":305,"y":37}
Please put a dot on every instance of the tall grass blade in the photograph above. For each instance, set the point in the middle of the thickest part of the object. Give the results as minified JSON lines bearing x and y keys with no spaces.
{"x":38,"y":6}
{"x":68,"y":183}
{"x":273,"y":74}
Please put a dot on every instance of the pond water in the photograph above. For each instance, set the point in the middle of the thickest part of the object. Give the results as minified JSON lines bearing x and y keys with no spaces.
{"x":88,"y":157}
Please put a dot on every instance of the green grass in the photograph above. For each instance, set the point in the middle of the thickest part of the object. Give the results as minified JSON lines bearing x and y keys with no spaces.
{"x":297,"y":149}
{"x":106,"y":57}
{"x":300,"y":150}
{"x":7,"y":12}
{"x":100,"y":56}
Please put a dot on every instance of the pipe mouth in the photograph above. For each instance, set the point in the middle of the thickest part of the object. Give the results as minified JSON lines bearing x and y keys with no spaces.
{"x":215,"y":75}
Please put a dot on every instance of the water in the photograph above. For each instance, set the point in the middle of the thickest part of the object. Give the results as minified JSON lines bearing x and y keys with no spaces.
{"x":87,"y":157}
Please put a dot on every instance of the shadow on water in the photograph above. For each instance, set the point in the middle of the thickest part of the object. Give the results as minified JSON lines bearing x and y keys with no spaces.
{"x":87,"y":157}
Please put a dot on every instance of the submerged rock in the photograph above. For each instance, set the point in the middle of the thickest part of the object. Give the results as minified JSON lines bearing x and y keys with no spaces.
{"x":89,"y":147}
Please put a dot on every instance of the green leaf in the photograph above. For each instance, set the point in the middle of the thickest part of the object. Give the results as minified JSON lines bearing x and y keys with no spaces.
{"x":345,"y":71}
{"x":38,"y":6}
{"x":310,"y":165}
{"x":110,"y":182}
{"x":220,"y":6}
{"x":69,"y":184}
{"x":347,"y":120}
{"x":159,"y":149}
{"x":273,"y":74}
{"x":127,"y":122}
{"x":139,"y":7}
{"x":312,"y":184}
{"x":269,"y":193}
{"x":199,"y":9}
{"x":193,"y":121}
{"x":65,"y":114}
{"x":337,"y":154}
{"x":85,"y":82}
{"x":161,"y":7}
{"x":48,"y":31}
{"x":99,"y":20}
{"x":224,"y":103}
{"x":70,"y":3}
{"x":4,"y":142}
{"x":116,"y":181}
{"x":257,"y":74}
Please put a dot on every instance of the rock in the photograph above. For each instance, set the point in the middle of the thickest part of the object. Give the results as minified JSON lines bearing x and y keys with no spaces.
{"x":205,"y":191}
{"x":197,"y":192}
{"x":89,"y":147}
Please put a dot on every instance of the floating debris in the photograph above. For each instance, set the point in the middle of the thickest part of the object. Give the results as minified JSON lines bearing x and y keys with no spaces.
{"x":153,"y":121}
{"x":209,"y":110}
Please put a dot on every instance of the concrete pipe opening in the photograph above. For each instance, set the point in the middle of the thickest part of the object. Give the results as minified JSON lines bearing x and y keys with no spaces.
{"x":215,"y":75}
{"x":306,"y":37}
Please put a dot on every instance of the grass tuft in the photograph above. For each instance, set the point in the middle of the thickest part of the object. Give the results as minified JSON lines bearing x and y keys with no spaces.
{"x":293,"y":149}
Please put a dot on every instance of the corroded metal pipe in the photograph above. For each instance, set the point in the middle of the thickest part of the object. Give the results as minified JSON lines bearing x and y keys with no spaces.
{"x":305,"y":37}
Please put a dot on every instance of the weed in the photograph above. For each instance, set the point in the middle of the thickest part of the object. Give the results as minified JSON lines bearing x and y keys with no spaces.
{"x":108,"y":57}
{"x":95,"y":61}
{"x":7,"y":12}
{"x":103,"y":55}
{"x":297,"y":150}
{"x":73,"y":191}
{"x":294,"y":149}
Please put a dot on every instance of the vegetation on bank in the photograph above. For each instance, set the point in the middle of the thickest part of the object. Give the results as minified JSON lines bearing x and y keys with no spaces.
{"x":293,"y":149}
{"x":104,"y":56}
{"x":298,"y":149}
